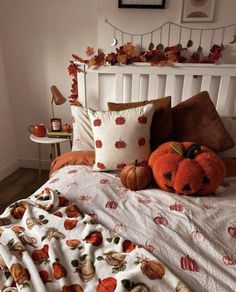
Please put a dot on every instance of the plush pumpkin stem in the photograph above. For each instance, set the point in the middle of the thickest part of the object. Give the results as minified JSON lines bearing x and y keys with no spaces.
{"x":136,"y":162}
{"x":190,"y":152}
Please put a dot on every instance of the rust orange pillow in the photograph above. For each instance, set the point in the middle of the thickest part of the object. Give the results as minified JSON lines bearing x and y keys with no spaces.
{"x":197,"y":120}
{"x":161,"y":127}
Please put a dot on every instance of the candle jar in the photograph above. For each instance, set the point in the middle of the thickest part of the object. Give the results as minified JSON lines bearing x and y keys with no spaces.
{"x":56,"y":125}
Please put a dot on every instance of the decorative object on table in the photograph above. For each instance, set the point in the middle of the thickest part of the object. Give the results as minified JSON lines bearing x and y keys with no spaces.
{"x":187,"y":168}
{"x":198,"y":10}
{"x":149,"y":4}
{"x":58,"y":99}
{"x":62,"y":134}
{"x":136,"y":176}
{"x":38,"y":130}
{"x":66,"y":128}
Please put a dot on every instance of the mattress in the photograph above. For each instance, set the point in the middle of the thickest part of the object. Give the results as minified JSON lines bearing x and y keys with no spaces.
{"x":193,"y":237}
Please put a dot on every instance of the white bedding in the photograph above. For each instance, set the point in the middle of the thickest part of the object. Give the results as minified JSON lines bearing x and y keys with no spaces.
{"x":195,"y":237}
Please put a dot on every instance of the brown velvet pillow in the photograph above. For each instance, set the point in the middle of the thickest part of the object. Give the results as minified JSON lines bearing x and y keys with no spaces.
{"x":230,"y":165}
{"x":161,"y":127}
{"x":196,"y":120}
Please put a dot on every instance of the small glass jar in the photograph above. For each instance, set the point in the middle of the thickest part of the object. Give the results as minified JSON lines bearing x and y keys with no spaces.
{"x":56,"y":125}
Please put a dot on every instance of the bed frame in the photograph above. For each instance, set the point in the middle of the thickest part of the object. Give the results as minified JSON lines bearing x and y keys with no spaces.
{"x":142,"y":81}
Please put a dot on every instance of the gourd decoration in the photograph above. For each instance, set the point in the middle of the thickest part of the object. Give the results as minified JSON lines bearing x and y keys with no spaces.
{"x":186,"y":168}
{"x":136,"y":176}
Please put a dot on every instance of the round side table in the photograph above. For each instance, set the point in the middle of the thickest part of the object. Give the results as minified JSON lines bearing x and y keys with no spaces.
{"x":55,"y":148}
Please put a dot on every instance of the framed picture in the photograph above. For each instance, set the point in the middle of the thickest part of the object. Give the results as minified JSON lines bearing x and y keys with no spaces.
{"x":150,"y":4}
{"x":198,"y":10}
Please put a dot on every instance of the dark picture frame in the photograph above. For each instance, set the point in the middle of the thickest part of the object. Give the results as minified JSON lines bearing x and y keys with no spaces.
{"x":142,"y":6}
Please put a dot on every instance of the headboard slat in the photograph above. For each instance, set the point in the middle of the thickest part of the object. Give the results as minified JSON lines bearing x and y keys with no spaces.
{"x":223,"y":95}
{"x":142,"y":81}
{"x":135,"y":87}
{"x":152,"y":86}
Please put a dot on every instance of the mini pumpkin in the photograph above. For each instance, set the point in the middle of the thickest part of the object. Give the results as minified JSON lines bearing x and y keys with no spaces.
{"x":186,"y":168}
{"x":136,"y":176}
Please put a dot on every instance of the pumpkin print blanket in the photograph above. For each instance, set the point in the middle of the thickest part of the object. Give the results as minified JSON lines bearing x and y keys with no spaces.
{"x":48,"y":244}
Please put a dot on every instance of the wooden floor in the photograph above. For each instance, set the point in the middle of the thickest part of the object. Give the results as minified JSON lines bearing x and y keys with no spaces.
{"x":20,"y":184}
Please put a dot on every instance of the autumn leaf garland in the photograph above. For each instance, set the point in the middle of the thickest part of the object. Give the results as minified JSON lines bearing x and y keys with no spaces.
{"x":127,"y":55}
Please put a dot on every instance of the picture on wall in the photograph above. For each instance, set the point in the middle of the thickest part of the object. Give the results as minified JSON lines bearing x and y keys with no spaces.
{"x":198,"y":10}
{"x":151,"y":4}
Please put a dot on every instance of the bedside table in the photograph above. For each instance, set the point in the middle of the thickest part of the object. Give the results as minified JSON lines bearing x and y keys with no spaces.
{"x":55,"y":148}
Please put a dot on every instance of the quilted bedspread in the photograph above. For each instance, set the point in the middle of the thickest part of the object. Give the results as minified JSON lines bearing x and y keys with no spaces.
{"x":86,"y":232}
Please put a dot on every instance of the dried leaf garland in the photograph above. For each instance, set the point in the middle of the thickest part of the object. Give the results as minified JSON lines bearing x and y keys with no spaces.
{"x":155,"y":56}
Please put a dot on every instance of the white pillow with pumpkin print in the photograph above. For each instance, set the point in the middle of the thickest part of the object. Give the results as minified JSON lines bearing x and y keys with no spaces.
{"x":121,"y":137}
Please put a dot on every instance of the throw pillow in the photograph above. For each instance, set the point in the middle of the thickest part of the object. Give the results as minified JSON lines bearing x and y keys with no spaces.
{"x":121,"y":137}
{"x":161,"y":127}
{"x":82,"y":131}
{"x":196,"y":120}
{"x":230,"y":125}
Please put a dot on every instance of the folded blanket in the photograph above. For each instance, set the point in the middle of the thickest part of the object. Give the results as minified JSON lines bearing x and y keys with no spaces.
{"x":48,"y":244}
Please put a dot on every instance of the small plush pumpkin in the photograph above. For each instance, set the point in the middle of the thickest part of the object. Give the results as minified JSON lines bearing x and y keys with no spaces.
{"x":136,"y":176}
{"x":186,"y":168}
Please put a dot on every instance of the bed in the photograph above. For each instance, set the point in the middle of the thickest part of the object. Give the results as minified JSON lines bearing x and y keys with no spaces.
{"x":84,"y":231}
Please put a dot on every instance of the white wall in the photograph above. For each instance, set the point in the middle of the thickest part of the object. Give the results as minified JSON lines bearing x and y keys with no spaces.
{"x":144,"y":20}
{"x":8,"y":147}
{"x":38,"y":38}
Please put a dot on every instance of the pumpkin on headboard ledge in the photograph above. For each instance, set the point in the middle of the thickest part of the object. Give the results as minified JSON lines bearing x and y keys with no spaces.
{"x":186,"y":168}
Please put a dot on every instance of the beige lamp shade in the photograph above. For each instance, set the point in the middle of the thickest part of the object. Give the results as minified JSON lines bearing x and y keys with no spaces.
{"x":57,"y":97}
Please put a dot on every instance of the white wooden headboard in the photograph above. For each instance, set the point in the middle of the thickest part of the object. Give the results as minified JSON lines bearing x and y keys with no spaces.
{"x":141,"y":82}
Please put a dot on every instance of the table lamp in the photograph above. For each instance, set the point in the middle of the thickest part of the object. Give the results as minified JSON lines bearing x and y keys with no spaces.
{"x":58,"y":99}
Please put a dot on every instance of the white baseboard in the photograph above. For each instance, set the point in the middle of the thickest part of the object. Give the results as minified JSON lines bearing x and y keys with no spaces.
{"x":9,"y":169}
{"x":33,"y":163}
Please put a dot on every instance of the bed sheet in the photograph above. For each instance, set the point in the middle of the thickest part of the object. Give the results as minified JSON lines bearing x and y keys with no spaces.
{"x":194,"y":236}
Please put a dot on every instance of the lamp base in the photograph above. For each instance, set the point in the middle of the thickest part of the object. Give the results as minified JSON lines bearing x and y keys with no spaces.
{"x":56,"y":125}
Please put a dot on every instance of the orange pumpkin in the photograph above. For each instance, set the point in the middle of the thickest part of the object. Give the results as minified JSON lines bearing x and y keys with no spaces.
{"x":136,"y":176}
{"x":186,"y":168}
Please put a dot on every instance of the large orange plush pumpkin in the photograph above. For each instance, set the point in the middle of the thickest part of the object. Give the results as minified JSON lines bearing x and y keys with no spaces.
{"x":136,"y":176}
{"x":186,"y":168}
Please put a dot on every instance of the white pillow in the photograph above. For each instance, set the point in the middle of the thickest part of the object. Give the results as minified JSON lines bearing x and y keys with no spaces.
{"x":230,"y":125}
{"x":121,"y":137}
{"x":82,"y":131}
